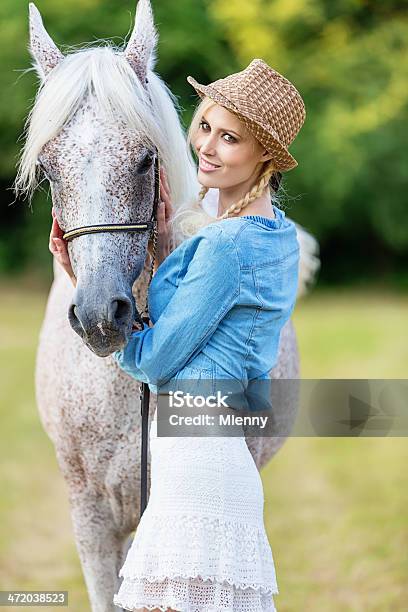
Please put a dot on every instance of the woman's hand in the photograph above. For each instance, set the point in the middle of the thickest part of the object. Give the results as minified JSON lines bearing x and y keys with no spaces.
{"x":58,"y":247}
{"x":164,"y":214}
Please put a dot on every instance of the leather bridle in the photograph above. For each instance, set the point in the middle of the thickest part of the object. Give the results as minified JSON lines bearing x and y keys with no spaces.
{"x":150,"y":226}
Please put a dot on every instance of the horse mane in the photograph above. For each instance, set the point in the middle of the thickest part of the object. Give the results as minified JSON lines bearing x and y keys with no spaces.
{"x":104,"y":73}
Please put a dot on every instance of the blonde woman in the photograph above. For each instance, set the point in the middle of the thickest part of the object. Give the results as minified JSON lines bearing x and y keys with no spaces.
{"x":220,"y":300}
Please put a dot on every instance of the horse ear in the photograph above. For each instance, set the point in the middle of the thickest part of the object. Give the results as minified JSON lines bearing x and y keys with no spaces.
{"x":42,"y":47}
{"x":140,"y":50}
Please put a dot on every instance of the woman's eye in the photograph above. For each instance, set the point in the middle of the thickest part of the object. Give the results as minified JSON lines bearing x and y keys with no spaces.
{"x":202,"y":123}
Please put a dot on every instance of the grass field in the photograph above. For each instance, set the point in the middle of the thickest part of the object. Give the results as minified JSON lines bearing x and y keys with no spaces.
{"x":335,"y":508}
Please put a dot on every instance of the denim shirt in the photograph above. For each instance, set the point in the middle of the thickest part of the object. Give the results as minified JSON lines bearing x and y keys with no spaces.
{"x":218,"y":303}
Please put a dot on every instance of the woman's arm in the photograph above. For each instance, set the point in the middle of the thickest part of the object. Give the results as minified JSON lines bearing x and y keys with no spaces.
{"x":207,"y":292}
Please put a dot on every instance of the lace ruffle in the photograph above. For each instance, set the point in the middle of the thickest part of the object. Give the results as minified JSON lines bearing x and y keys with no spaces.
{"x":190,"y":595}
{"x":190,"y":546}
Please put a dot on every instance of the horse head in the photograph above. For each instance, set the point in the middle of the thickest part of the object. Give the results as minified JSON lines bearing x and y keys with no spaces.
{"x":100,"y":116}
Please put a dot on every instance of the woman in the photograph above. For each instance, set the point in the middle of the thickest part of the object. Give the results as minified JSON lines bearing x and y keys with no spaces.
{"x":217,"y":303}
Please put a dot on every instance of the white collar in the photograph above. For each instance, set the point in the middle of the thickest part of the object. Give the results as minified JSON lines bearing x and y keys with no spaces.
{"x":210,"y":202}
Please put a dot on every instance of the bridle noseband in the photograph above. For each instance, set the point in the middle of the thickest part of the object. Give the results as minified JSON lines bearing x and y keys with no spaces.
{"x":150,"y":226}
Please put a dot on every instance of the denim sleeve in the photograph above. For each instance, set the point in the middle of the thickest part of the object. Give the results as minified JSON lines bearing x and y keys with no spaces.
{"x":209,"y":289}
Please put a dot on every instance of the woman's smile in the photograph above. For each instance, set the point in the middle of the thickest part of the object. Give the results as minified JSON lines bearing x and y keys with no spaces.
{"x":206,"y":166}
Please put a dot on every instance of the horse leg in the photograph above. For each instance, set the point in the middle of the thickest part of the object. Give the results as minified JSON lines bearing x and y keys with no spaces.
{"x":101,"y":547}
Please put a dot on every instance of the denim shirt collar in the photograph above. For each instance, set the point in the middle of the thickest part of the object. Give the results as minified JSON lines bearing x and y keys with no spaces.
{"x":277,"y":223}
{"x":210,"y":205}
{"x":273,"y":223}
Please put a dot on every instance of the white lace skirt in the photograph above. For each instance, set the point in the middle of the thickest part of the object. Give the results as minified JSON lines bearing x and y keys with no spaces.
{"x":201,"y":544}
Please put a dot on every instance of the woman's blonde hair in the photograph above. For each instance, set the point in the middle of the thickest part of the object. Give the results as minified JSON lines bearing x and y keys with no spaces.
{"x":191,"y":217}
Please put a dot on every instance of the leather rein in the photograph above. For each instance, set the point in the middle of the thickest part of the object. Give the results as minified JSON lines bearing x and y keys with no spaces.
{"x":150,"y":226}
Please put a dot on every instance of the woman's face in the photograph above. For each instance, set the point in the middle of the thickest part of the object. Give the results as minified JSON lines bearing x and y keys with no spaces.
{"x":223,"y":140}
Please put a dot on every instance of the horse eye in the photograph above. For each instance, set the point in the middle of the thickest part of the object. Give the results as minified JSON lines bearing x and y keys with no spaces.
{"x":146,"y":163}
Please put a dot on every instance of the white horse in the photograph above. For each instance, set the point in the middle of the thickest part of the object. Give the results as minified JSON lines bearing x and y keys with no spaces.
{"x":91,"y":130}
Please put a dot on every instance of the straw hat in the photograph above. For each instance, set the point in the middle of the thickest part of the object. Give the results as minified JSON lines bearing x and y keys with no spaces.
{"x":270,"y":107}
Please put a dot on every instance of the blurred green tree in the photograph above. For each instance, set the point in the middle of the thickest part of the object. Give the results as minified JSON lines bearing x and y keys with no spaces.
{"x":348,"y":59}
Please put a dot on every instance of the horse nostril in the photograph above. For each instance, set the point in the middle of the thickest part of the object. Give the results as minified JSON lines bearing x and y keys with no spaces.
{"x":120,"y":310}
{"x":90,"y":316}
{"x":75,"y":320}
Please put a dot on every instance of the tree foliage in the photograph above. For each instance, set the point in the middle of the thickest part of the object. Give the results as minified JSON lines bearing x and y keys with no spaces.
{"x":348,"y":59}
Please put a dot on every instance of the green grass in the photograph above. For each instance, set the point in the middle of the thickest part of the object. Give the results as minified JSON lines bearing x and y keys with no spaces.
{"x":353,"y":334}
{"x":335,"y":508}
